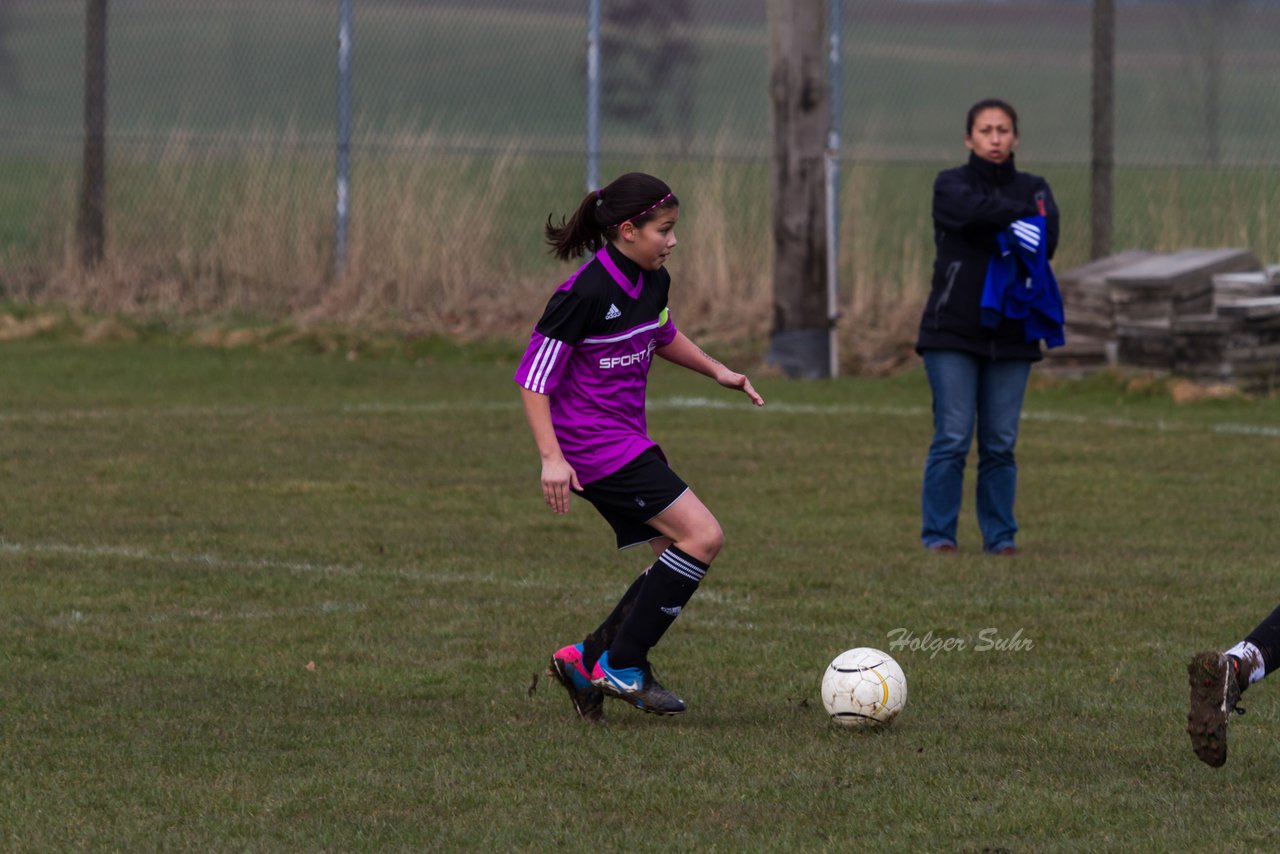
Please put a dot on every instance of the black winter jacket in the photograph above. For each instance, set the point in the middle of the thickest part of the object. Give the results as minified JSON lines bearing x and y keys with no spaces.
{"x":971,"y":204}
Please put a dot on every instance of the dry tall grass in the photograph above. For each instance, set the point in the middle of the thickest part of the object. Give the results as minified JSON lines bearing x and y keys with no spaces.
{"x":226,"y":234}
{"x":446,"y":245}
{"x":722,"y":283}
{"x":886,"y":261}
{"x":249,"y":234}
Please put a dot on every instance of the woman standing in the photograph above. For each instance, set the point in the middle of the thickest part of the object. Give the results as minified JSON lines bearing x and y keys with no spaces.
{"x":991,"y":224}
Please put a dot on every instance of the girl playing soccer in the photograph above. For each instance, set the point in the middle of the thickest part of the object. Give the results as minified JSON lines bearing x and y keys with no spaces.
{"x":582,"y":380}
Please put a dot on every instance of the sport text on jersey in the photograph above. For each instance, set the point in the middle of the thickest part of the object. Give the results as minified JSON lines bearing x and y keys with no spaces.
{"x":629,"y":359}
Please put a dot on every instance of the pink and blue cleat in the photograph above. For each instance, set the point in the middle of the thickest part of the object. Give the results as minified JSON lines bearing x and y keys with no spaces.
{"x":569,"y":671}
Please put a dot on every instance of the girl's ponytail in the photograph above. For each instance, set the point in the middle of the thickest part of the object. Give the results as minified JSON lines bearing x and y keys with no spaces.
{"x":582,"y":232}
{"x":635,"y":197}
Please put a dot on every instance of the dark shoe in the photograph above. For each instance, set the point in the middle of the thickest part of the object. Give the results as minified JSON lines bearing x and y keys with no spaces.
{"x":944,"y":548}
{"x":1215,"y":690}
{"x":637,"y":686}
{"x":566,"y":667}
{"x":1008,"y":551}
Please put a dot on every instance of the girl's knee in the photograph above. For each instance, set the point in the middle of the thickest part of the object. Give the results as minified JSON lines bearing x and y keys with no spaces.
{"x":711,"y":539}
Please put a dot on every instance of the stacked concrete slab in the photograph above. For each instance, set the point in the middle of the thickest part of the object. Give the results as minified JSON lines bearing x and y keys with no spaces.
{"x":1150,"y":295}
{"x":1208,"y":314}
{"x":1240,"y":340}
{"x":1090,"y":316}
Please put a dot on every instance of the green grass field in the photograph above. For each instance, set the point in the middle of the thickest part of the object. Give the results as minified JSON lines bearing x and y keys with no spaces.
{"x":291,"y":601}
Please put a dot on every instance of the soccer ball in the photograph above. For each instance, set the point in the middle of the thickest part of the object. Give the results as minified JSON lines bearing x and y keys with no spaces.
{"x":864,"y":688}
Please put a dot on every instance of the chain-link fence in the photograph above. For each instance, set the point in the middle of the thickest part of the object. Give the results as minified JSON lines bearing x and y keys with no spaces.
{"x":479,"y":106}
{"x":1196,"y":79}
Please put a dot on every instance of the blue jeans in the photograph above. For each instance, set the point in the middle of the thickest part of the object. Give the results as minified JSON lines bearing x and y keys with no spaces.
{"x":969,"y":389}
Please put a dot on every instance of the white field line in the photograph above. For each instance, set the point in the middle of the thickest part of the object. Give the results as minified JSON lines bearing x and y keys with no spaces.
{"x":608,"y":587}
{"x":210,"y":615}
{"x":1223,"y":428}
{"x":211,"y":561}
{"x":1158,"y":425}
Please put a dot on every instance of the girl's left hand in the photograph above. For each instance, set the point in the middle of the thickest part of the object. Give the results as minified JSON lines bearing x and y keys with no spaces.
{"x":733,"y":379}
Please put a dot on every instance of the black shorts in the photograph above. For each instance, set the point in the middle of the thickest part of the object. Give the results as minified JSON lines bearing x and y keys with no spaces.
{"x":630,"y":497}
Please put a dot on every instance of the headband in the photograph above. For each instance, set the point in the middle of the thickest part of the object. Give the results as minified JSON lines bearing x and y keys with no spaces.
{"x":653,"y":207}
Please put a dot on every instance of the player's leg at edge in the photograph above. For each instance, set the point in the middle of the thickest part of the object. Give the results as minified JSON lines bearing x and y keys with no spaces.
{"x":1217,"y":679}
{"x":1215,"y":690}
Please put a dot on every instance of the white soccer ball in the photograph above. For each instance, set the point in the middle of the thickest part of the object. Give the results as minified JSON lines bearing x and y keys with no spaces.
{"x":864,"y":688}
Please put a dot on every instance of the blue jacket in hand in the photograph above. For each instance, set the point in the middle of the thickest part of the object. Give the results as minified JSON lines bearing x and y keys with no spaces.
{"x":1020,"y":284}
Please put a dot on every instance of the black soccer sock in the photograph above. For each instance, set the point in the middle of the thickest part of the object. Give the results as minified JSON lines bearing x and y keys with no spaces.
{"x":598,"y":641}
{"x":668,"y":586}
{"x":1266,"y":637}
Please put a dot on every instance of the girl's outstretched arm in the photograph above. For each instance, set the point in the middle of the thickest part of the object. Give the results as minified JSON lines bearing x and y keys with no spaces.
{"x":558,"y":477}
{"x":683,"y":352}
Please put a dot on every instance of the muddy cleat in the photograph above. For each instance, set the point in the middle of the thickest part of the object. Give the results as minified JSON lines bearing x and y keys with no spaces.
{"x":1215,"y":690}
{"x":637,"y":686}
{"x":566,"y":667}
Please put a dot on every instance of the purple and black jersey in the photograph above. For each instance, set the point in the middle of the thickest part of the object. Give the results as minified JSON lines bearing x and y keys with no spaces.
{"x":590,"y":353}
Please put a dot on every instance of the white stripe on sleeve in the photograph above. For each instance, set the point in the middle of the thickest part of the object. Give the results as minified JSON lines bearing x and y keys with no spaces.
{"x":530,"y":378}
{"x":1027,"y":233}
{"x":549,"y":365}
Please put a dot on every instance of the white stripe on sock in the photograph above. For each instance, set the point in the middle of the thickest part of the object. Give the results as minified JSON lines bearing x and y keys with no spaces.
{"x":682,"y":566}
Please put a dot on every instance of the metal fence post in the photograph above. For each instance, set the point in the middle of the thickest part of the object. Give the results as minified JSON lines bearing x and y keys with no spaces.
{"x":835,"y":71}
{"x":593,"y":94}
{"x":344,"y":138}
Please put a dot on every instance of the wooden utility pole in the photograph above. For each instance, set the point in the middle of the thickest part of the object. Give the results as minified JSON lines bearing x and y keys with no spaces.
{"x":797,"y":69}
{"x":1103,"y":157}
{"x":90,"y":225}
